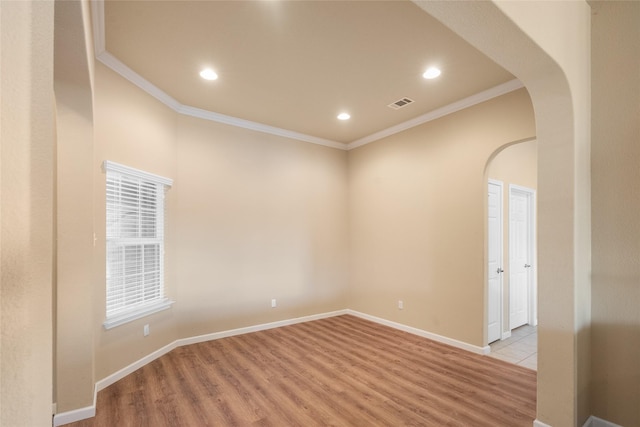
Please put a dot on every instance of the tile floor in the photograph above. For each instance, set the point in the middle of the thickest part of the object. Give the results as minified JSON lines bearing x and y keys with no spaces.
{"x":521,"y":348}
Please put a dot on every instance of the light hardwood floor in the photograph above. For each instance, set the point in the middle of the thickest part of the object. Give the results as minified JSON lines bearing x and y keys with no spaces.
{"x":340,"y":371}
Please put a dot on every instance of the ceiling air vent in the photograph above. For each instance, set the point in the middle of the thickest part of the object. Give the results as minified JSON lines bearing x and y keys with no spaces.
{"x":402,"y":102}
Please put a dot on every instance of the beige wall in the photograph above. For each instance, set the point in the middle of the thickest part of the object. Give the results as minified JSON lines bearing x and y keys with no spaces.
{"x":74,"y":370}
{"x":254,"y":217}
{"x":546,"y":45}
{"x":74,"y":251}
{"x":517,"y":164}
{"x":564,"y":387}
{"x":258,"y":217}
{"x":251,"y":217}
{"x":615,"y":169}
{"x":417,"y":209}
{"x":27,"y":120}
{"x":561,"y":94}
{"x":136,"y":130}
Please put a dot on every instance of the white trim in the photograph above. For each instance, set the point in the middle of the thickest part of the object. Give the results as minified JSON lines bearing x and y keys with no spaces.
{"x":97,"y":8}
{"x":599,"y":422}
{"x":107,"y":381}
{"x":119,"y":67}
{"x":467,"y":102}
{"x":537,"y":423}
{"x":116,"y":376}
{"x":76,"y":414}
{"x":138,"y":313}
{"x":259,"y":127}
{"x":425,"y":334}
{"x":532,"y":291}
{"x":505,"y":335}
{"x":108,"y":165}
{"x":90,"y":411}
{"x":500,"y":184}
{"x":257,"y":328}
{"x":97,"y":20}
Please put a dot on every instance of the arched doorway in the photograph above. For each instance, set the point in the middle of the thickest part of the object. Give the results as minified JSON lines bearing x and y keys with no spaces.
{"x":558,"y":80}
{"x":511,"y":308}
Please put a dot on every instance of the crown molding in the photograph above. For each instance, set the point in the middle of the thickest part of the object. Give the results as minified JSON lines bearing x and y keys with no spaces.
{"x":102,"y":55}
{"x":259,"y":127}
{"x":472,"y":100}
{"x":99,"y":43}
{"x":119,"y":67}
{"x":97,"y":22}
{"x":97,"y":13}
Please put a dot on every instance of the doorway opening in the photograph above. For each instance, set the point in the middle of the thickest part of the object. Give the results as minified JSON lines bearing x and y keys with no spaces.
{"x":522,"y":257}
{"x":511,"y":303}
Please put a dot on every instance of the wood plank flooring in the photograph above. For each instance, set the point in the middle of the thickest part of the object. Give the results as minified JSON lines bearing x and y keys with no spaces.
{"x":340,"y":371}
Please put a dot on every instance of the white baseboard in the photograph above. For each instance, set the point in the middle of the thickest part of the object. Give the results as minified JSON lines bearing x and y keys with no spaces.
{"x":505,"y":335}
{"x":591,"y":422}
{"x":90,"y":411}
{"x":75,"y":415}
{"x":599,"y":422}
{"x":435,"y":337}
{"x":116,"y":376}
{"x":106,"y":382}
{"x":256,"y":328}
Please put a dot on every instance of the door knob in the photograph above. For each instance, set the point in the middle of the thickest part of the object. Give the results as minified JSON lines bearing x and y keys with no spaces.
{"x":527,"y":265}
{"x":500,"y":270}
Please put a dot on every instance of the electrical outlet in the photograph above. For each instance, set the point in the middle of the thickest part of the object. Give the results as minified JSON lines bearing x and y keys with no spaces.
{"x":273,"y":303}
{"x":400,"y":305}
{"x":146,"y":330}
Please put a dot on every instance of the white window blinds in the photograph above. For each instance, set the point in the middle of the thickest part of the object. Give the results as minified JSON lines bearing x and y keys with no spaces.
{"x":135,"y":221}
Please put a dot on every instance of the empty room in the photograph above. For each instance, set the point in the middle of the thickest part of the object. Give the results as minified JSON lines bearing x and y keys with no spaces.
{"x":319,"y":213}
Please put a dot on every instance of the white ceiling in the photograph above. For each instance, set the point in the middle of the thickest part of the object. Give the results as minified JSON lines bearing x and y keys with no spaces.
{"x":294,"y":65}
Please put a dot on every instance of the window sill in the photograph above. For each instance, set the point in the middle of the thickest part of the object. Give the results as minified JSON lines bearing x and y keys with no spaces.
{"x":130,"y":316}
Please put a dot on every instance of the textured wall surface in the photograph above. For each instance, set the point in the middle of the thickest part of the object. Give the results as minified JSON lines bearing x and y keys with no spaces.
{"x":26,"y":215}
{"x":616,"y":203}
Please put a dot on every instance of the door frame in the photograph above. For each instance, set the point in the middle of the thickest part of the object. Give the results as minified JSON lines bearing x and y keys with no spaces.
{"x":532,"y":291}
{"x":501,"y":228}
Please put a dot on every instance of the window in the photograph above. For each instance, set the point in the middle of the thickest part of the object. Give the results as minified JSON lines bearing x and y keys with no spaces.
{"x":135,"y":244}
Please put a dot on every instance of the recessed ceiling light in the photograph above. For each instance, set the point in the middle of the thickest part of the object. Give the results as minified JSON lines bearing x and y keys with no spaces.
{"x":344,"y":116}
{"x":431,"y":73}
{"x":208,"y":74}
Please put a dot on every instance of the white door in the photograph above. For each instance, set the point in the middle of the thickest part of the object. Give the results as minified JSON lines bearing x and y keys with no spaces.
{"x":521,"y":232}
{"x":494,"y":257}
